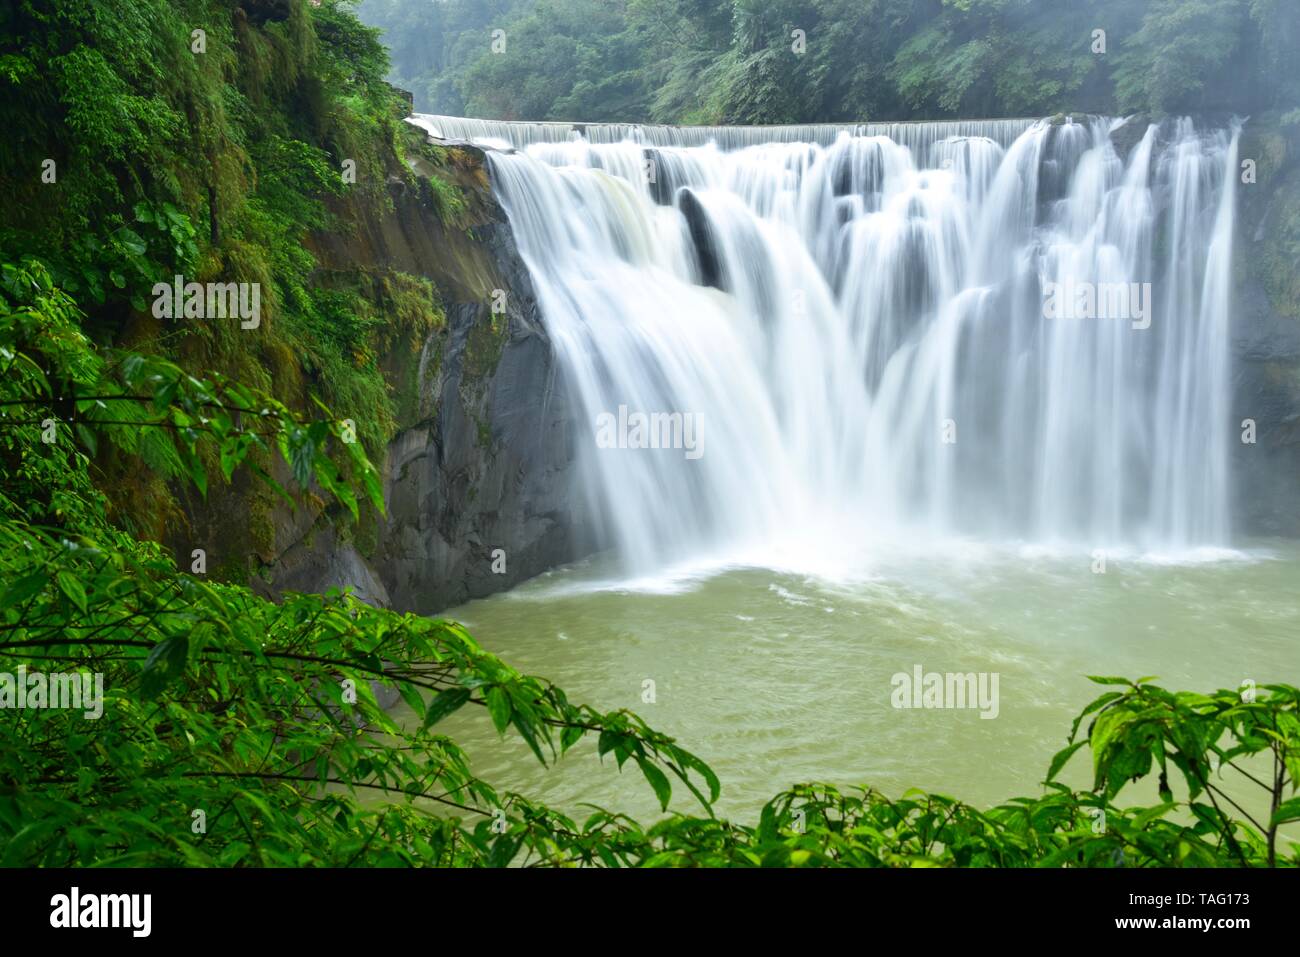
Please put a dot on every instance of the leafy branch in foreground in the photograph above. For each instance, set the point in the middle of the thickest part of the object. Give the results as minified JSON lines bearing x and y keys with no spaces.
{"x":263,"y":717}
{"x":1224,"y":743}
{"x":1200,"y":736}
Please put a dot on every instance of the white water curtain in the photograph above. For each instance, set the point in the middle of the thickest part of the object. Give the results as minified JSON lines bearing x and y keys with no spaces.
{"x":855,"y":316}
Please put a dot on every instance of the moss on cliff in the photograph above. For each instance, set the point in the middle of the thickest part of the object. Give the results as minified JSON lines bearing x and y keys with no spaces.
{"x":483,"y":348}
{"x":1278,"y":264}
{"x":275,"y":156}
{"x":1271,"y":208}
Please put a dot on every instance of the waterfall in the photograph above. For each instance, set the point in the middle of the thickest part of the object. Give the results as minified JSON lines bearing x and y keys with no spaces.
{"x":991,"y":330}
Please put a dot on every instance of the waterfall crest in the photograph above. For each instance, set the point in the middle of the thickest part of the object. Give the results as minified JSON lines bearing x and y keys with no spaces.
{"x":1000,"y":330}
{"x":914,"y":135}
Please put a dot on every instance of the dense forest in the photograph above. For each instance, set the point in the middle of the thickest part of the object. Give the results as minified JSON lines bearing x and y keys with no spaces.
{"x":219,"y":140}
{"x":800,"y":61}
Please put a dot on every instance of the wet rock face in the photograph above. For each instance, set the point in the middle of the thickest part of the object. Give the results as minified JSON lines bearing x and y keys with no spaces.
{"x":1266,"y":391}
{"x":482,"y":495}
{"x":479,"y":481}
{"x":322,"y":561}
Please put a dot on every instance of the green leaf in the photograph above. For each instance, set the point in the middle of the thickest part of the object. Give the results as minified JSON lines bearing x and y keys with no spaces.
{"x":1286,"y":812}
{"x":165,"y":663}
{"x":1061,"y":757}
{"x":131,"y":367}
{"x":132,"y":241}
{"x":695,"y":764}
{"x":1096,"y":705}
{"x":570,"y":736}
{"x":444,"y":703}
{"x":87,"y":438}
{"x":411,"y":695}
{"x":503,"y":851}
{"x":658,"y":780}
{"x":498,"y":703}
{"x":73,"y":589}
{"x":23,"y":589}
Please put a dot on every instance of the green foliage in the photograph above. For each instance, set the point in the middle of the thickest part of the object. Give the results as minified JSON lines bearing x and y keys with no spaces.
{"x":262,"y":716}
{"x":1217,"y":742}
{"x":216,"y":165}
{"x":1145,"y":728}
{"x":448,"y":200}
{"x":60,"y":390}
{"x":1181,"y":46}
{"x":564,"y":59}
{"x":432,"y":43}
{"x":734,"y":61}
{"x":1276,"y":262}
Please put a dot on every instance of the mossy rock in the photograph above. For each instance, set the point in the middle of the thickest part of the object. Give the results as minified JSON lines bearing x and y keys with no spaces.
{"x":1275,"y":258}
{"x":483,"y":349}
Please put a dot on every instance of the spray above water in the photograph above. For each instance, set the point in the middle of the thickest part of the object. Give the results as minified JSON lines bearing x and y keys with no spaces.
{"x":1001,"y":330}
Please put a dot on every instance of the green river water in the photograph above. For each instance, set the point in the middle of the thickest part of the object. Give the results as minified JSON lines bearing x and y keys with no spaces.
{"x":777,"y":677}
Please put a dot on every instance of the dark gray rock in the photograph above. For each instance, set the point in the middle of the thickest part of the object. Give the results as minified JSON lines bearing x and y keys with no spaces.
{"x":485,"y":460}
{"x":322,"y":560}
{"x":1129,"y":135}
{"x":493,"y":469}
{"x":1266,"y":389}
{"x":703,"y":243}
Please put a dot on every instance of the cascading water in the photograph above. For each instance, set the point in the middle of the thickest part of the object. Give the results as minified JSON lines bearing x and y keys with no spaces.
{"x":999,"y":330}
